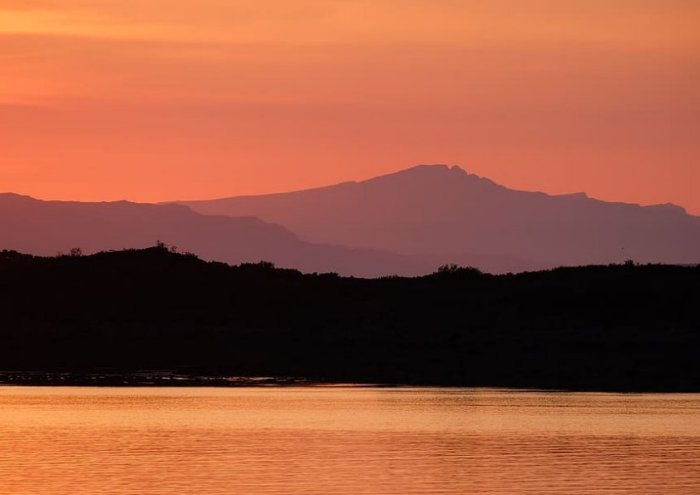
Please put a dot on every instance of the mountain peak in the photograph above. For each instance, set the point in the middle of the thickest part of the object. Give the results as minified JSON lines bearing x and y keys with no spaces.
{"x":436,"y":173}
{"x":430,"y":168}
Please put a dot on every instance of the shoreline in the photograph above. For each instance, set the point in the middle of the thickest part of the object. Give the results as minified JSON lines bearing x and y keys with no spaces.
{"x":141,"y":379}
{"x":166,"y":379}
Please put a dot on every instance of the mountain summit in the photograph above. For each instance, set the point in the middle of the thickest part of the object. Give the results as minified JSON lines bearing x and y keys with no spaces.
{"x":444,"y":210}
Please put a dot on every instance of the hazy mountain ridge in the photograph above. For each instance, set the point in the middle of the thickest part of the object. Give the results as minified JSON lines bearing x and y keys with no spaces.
{"x":405,"y":223}
{"x":50,"y":227}
{"x":444,"y":210}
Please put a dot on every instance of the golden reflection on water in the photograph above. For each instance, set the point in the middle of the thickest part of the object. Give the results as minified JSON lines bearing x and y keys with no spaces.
{"x":344,"y":440}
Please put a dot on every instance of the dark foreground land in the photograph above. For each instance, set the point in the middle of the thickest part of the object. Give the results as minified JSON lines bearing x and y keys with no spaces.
{"x":104,"y":319}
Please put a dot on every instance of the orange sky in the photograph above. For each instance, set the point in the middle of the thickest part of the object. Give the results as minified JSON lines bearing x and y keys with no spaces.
{"x":155,"y":100}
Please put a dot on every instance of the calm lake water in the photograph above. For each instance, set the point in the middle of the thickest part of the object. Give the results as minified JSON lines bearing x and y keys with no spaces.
{"x":344,"y":440}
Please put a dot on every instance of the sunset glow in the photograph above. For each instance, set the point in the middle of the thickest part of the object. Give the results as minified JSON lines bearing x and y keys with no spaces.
{"x":156,"y":100}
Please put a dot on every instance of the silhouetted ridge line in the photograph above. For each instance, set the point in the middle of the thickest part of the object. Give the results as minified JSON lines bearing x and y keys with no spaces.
{"x":618,"y":327}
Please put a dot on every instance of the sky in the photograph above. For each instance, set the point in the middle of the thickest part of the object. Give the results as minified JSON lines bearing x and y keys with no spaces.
{"x":154,"y":100}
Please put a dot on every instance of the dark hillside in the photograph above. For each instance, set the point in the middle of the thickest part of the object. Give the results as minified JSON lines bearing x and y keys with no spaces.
{"x":619,"y":327}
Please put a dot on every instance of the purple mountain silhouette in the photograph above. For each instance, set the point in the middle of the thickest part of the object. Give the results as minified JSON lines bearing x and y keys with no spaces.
{"x":49,"y":227}
{"x":441,"y":211}
{"x":407,"y":223}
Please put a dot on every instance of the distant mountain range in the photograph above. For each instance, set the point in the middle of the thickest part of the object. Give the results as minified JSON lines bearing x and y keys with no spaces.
{"x":407,"y":223}
{"x":50,"y":227}
{"x":445,"y":211}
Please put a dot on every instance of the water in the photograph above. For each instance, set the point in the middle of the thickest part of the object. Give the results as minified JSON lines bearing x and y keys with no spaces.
{"x":344,"y":440}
